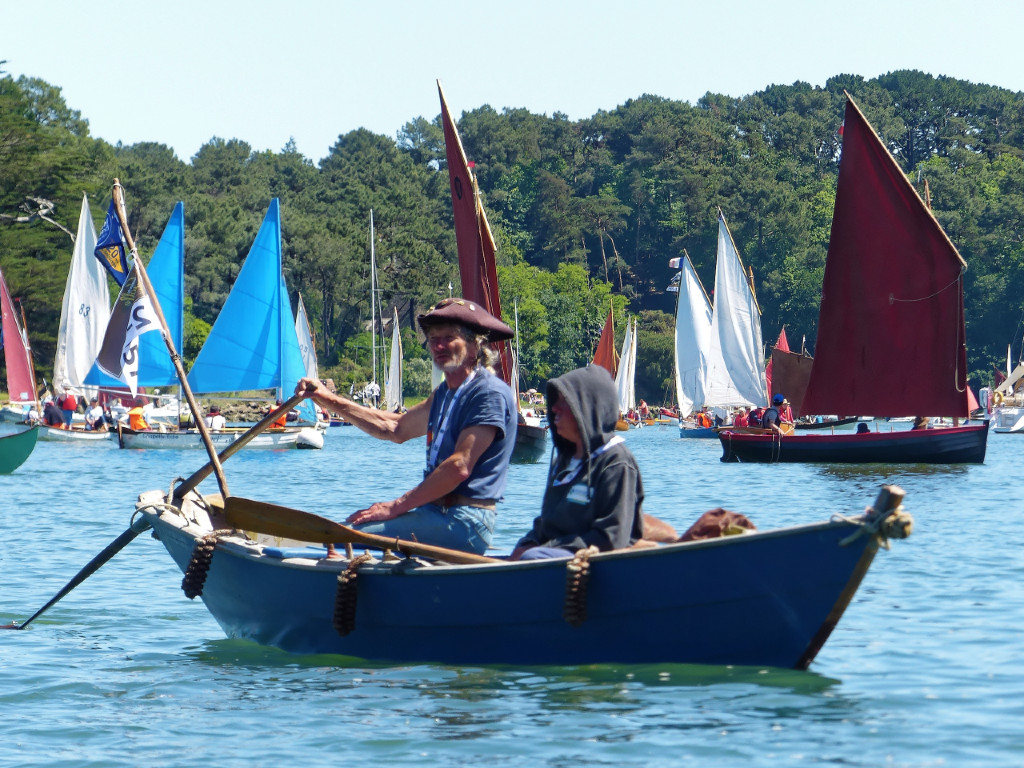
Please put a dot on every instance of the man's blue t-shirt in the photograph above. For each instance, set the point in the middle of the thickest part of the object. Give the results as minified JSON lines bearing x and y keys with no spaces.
{"x":486,"y":400}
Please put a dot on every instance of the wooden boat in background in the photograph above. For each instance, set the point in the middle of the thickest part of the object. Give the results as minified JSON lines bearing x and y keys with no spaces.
{"x":606,"y":356}
{"x":84,"y":312}
{"x":16,"y":447}
{"x":692,"y":342}
{"x":735,"y":359}
{"x":21,"y":376}
{"x":767,"y":597}
{"x":274,"y":438}
{"x":625,"y":377}
{"x":478,"y":273}
{"x":718,"y":348}
{"x":252,"y":346}
{"x":891,"y":337}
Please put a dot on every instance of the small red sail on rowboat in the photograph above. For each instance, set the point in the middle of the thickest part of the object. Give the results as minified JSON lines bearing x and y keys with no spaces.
{"x":478,"y":272}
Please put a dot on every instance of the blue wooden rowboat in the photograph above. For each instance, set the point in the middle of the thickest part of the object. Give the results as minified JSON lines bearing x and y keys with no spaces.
{"x":16,"y":448}
{"x":760,"y":598}
{"x":698,"y":432}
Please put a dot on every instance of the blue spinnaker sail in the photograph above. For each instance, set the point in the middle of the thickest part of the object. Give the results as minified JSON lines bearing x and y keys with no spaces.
{"x":252,"y":344}
{"x":166,"y":272}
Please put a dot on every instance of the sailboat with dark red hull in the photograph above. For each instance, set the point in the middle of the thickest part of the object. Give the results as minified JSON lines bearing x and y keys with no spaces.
{"x":891,"y":339}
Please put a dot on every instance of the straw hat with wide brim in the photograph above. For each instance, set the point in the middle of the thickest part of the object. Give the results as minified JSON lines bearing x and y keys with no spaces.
{"x":469,"y":314}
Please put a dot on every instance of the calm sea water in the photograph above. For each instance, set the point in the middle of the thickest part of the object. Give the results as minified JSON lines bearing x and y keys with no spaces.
{"x":925,"y":669}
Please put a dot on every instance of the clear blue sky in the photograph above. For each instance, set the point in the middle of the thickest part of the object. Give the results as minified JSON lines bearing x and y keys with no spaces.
{"x":180,"y":73}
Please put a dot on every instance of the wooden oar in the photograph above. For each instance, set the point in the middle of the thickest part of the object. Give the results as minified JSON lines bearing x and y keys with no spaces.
{"x":93,"y":565}
{"x":274,"y":520}
{"x":201,"y":474}
{"x":165,"y":331}
{"x":121,"y":541}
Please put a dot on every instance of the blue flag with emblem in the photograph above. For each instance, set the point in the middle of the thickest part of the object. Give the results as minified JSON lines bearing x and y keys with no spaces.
{"x":110,"y":247}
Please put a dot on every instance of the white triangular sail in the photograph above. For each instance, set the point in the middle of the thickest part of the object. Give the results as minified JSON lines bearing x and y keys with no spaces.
{"x":393,"y":382}
{"x":693,"y":340}
{"x":305,"y":337}
{"x":84,"y":312}
{"x":735,"y":374}
{"x":627,"y":370}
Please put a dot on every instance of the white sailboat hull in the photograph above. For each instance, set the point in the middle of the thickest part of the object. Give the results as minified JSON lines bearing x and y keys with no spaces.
{"x":58,"y":435}
{"x":279,"y":438}
{"x":1008,"y":420}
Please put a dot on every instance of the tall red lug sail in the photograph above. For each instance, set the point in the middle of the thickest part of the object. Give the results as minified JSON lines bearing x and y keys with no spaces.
{"x":891,"y":339}
{"x":477,"y":268}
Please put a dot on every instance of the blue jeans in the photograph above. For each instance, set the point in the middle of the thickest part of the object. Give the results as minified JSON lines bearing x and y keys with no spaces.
{"x":545,"y":553}
{"x":464,"y":528}
{"x":68,"y":416}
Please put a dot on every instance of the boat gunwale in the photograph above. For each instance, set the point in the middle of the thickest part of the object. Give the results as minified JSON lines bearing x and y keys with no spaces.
{"x":254,"y":550}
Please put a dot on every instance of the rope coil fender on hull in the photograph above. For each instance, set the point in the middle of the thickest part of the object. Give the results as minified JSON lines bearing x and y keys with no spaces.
{"x":345,"y":597}
{"x":577,"y":578}
{"x":199,"y":563}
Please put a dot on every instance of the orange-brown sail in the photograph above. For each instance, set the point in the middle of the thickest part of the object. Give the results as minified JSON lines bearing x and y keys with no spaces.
{"x":790,"y":374}
{"x":891,"y":338}
{"x":477,"y":270}
{"x":605,"y":355}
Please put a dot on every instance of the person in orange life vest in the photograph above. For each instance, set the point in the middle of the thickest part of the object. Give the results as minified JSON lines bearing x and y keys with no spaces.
{"x":136,"y":420}
{"x":281,"y":420}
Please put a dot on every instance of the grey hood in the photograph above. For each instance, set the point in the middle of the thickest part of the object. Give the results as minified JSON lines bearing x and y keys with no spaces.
{"x":591,"y":396}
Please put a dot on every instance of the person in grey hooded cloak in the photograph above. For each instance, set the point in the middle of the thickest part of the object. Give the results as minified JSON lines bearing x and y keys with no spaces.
{"x":594,"y":492}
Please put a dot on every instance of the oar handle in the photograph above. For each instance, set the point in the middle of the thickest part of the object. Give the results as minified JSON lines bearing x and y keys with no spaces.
{"x":197,"y":477}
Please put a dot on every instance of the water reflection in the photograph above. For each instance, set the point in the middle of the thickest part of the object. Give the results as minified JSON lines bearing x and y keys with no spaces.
{"x":469,"y":682}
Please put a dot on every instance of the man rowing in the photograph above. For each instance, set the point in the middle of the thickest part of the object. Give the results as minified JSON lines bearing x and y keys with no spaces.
{"x":470,"y":425}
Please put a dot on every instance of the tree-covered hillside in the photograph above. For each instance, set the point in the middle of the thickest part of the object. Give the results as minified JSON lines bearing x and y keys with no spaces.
{"x":582,"y":210}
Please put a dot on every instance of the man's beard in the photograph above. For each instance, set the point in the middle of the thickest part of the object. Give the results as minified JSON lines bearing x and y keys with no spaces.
{"x":454,"y":362}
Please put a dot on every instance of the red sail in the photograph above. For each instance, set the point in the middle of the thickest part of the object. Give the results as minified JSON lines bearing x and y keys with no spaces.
{"x":783,"y":345}
{"x":20,"y":381}
{"x":473,"y":238}
{"x":891,"y":338}
{"x":791,"y":372}
{"x":605,"y":355}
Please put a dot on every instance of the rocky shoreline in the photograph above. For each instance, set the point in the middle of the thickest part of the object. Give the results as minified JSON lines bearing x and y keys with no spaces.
{"x":238,"y":411}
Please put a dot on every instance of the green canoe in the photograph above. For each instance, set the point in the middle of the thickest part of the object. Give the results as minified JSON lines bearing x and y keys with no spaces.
{"x":14,"y":449}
